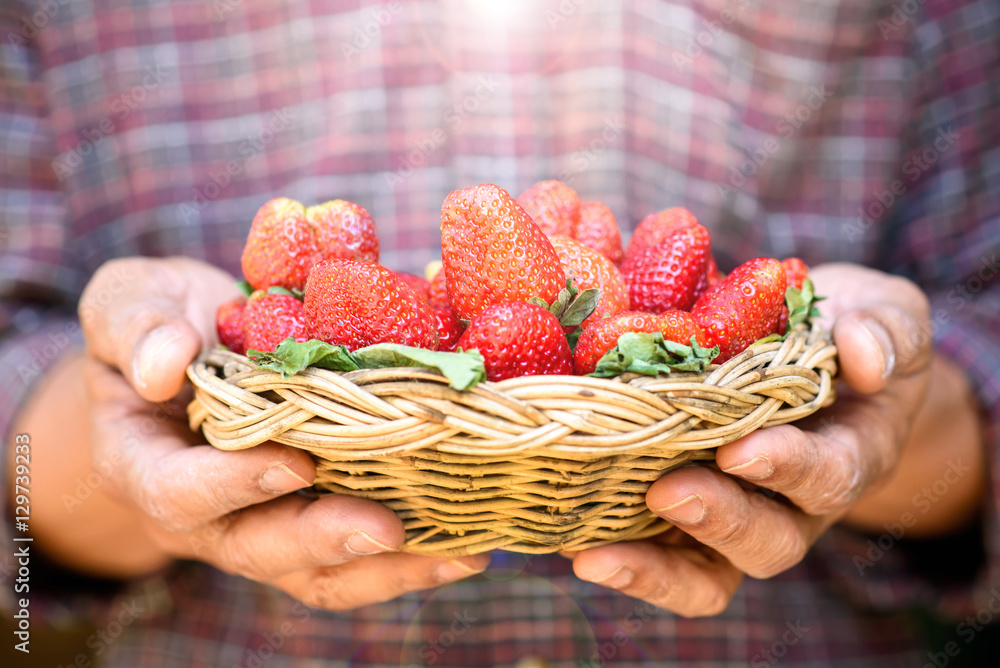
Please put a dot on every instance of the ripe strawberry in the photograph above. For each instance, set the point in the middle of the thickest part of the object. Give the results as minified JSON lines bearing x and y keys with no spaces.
{"x":420,"y":285}
{"x":270,"y":318}
{"x":449,"y":328}
{"x":602,"y":335}
{"x":598,"y":229}
{"x":287,"y":239}
{"x":796,"y":271}
{"x":359,"y":304}
{"x":667,"y":275}
{"x":229,"y":324}
{"x":712,"y":272}
{"x":518,"y":339}
{"x":493,"y":252}
{"x":590,"y":269}
{"x":742,"y":308}
{"x":655,"y":227}
{"x":680,"y":326}
{"x":438,"y":293}
{"x":553,"y":205}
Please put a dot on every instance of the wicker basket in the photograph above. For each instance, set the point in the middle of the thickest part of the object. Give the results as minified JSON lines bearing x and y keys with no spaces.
{"x":534,"y":464}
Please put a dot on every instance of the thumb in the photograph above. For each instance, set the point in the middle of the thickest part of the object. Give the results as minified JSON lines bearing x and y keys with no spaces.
{"x":149,"y":318}
{"x":880,"y":342}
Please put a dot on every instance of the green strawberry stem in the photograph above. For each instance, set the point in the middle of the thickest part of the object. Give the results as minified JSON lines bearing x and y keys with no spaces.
{"x":650,"y":354}
{"x":571,"y":307}
{"x":801,"y":309}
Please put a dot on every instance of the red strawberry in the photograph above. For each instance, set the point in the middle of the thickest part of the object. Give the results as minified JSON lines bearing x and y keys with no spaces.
{"x":666,"y":276}
{"x":229,"y":324}
{"x":590,"y":269}
{"x":712,"y":272}
{"x":655,"y":227}
{"x":553,"y":205}
{"x":601,"y":336}
{"x":286,"y":240}
{"x":796,"y":271}
{"x":598,"y":229}
{"x":420,"y":285}
{"x":359,"y":304}
{"x":680,"y":326}
{"x":493,"y":252}
{"x":742,"y":308}
{"x":518,"y":339}
{"x":449,"y":328}
{"x":270,"y":318}
{"x":438,"y":293}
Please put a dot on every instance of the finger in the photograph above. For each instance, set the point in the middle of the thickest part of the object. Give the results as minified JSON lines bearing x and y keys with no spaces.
{"x":757,"y":534}
{"x":150,"y":317}
{"x":376,"y":578}
{"x":151,"y":464}
{"x":293,"y":533}
{"x":689,"y":581}
{"x":825,"y":466}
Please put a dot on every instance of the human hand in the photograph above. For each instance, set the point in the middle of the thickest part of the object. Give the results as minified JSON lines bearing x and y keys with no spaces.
{"x":232,"y":510}
{"x":823,"y":465}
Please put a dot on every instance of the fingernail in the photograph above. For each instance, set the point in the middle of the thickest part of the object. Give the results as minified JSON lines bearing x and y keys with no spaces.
{"x":450,"y":571}
{"x":883,"y":342}
{"x":362,"y":544}
{"x":687,"y":510}
{"x":151,"y":349}
{"x":756,"y":468}
{"x":280,"y":480}
{"x":619,"y":578}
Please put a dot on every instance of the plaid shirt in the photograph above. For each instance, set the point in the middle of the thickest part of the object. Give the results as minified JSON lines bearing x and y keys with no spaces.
{"x":844,"y":130}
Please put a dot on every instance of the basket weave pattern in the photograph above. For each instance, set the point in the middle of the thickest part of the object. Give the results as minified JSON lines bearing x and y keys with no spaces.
{"x":534,"y":464}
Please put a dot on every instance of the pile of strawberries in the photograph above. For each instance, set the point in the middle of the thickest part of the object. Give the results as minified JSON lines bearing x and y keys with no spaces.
{"x":538,"y":285}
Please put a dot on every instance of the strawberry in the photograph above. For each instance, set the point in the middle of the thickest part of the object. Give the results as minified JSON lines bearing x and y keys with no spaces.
{"x":359,"y":304}
{"x":493,"y":252}
{"x":742,"y":308}
{"x":418,"y":284}
{"x":601,"y":336}
{"x":796,"y":271}
{"x":680,"y":326}
{"x":449,"y":328}
{"x":438,"y":292}
{"x":270,"y":318}
{"x":286,"y":239}
{"x":229,"y":324}
{"x":589,"y":269}
{"x":655,"y":227}
{"x":598,"y":229}
{"x":553,"y":205}
{"x":712,"y":272}
{"x":667,"y":275}
{"x":518,"y":339}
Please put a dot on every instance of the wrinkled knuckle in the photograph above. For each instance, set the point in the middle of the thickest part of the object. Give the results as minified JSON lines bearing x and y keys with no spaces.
{"x":160,"y":507}
{"x":784,"y":553}
{"x":324,"y":592}
{"x":236,"y":557}
{"x":715,"y":602}
{"x":726,"y":534}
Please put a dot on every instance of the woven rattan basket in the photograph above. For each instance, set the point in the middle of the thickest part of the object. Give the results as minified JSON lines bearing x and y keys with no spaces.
{"x":534,"y":464}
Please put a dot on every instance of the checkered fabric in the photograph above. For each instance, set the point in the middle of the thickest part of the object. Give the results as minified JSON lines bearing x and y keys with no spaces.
{"x":852,"y":130}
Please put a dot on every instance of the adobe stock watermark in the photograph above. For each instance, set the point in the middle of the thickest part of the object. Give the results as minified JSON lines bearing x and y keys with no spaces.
{"x":432,"y":651}
{"x":364,"y":34}
{"x":453,"y":117}
{"x":699,"y":41}
{"x":562,"y":13}
{"x":249,"y":148}
{"x":31,"y":24}
{"x":902,"y":12}
{"x":633,"y":623}
{"x":922,"y":501}
{"x":967,"y":630}
{"x":794,"y":632}
{"x":913,"y":168}
{"x":585,"y":156}
{"x":786,"y":127}
{"x":69,"y":161}
{"x":272,"y":641}
{"x":100,"y":641}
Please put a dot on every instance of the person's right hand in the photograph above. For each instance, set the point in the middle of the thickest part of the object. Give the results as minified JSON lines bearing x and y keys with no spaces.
{"x":145,"y":320}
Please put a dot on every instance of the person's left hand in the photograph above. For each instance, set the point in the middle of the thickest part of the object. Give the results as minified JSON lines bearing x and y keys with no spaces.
{"x":822,"y":465}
